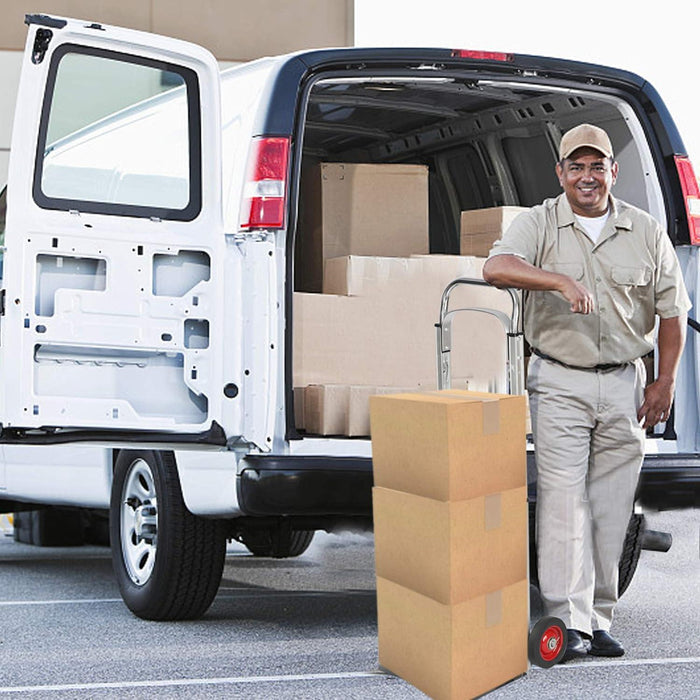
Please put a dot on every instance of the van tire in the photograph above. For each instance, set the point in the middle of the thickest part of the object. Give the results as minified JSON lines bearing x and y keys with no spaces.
{"x":281,"y":543}
{"x":168,"y":562}
{"x":630,"y":551}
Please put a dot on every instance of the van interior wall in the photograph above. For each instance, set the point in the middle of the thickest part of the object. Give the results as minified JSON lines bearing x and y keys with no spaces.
{"x":483,"y":147}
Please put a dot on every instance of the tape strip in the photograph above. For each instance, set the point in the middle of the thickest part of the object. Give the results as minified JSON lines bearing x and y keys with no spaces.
{"x":494,"y":608}
{"x":492,"y":512}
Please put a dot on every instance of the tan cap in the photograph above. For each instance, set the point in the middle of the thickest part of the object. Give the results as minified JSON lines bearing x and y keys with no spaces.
{"x":585,"y":135}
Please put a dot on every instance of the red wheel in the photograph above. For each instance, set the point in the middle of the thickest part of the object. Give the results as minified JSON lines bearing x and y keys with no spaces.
{"x":547,"y":642}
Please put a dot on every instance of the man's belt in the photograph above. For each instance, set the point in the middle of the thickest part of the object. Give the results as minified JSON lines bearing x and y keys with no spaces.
{"x":604,"y":366}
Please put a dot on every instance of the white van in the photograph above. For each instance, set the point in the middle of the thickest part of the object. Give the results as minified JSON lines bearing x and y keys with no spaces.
{"x":160,"y":254}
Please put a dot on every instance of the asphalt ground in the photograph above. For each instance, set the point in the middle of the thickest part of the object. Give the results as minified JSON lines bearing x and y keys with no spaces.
{"x":305,"y":628}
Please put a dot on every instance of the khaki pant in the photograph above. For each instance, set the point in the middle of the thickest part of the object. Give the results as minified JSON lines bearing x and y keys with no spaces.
{"x":589,"y":450}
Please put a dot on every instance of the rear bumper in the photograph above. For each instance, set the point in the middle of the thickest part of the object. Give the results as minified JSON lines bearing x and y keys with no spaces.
{"x":306,"y":486}
{"x":670,"y":482}
{"x":667,"y":481}
{"x":342,"y":486}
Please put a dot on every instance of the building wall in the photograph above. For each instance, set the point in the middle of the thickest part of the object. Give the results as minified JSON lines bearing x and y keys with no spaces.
{"x":233,"y":30}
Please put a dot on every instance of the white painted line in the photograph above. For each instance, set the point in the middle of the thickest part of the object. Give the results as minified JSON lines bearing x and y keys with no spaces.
{"x":232,"y":594}
{"x":194,"y":681}
{"x":75,"y":601}
{"x":614,"y":663}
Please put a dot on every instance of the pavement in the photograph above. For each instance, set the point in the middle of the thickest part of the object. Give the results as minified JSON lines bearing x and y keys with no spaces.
{"x":305,"y":628}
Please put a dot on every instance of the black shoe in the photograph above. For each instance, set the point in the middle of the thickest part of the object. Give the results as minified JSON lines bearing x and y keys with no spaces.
{"x":576,"y":646}
{"x":605,"y":645}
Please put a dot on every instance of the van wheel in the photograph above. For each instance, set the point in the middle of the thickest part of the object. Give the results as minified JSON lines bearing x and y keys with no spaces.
{"x":168,"y":562}
{"x":630,"y":551}
{"x":280,"y":543}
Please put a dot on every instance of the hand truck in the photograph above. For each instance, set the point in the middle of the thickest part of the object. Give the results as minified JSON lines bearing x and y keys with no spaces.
{"x":547,"y":637}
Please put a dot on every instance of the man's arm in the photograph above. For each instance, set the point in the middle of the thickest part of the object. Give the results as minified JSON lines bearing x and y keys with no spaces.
{"x":512,"y":271}
{"x":658,"y":396}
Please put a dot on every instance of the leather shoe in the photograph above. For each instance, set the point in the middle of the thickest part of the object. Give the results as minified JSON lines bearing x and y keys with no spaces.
{"x":605,"y":645}
{"x":576,"y":646}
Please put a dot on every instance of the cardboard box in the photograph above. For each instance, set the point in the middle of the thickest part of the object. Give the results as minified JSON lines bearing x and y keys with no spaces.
{"x":326,"y":409}
{"x":359,"y":209}
{"x":386,"y":336}
{"x":448,"y":445}
{"x":451,"y":551}
{"x":337,"y":409}
{"x":453,"y":652}
{"x":481,"y":228}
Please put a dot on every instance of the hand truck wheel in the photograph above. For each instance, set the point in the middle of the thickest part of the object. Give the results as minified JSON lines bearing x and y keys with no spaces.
{"x":547,"y":642}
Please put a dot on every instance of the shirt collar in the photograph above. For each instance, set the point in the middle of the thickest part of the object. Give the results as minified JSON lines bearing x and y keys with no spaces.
{"x":618,"y":215}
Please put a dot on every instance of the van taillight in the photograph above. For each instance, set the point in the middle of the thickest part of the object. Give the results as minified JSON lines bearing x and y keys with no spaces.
{"x":482,"y":55}
{"x":691,"y":195}
{"x":265,"y":188}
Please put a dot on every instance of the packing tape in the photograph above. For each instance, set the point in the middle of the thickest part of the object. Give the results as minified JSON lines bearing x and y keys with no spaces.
{"x":494,"y":608}
{"x":491,"y":409}
{"x":492,"y":512}
{"x":492,"y":417}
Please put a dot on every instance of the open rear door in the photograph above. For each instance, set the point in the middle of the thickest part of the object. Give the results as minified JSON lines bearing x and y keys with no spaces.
{"x":115,"y":258}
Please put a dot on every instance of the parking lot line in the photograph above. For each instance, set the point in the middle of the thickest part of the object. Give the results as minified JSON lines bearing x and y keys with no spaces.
{"x":183,"y":682}
{"x":72,"y":601}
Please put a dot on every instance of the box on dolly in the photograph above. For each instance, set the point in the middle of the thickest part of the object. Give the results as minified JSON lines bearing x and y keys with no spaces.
{"x":450,"y":523}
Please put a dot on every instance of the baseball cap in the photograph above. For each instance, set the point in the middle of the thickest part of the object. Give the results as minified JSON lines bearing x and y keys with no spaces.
{"x":585,"y":135}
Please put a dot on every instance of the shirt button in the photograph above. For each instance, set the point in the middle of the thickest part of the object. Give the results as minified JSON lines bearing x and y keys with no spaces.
{"x":597,"y":279}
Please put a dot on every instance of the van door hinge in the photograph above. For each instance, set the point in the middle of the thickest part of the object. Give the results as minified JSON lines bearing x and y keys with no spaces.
{"x":2,"y":302}
{"x":41,"y":45}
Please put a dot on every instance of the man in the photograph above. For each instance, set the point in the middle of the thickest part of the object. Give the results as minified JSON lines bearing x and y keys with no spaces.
{"x":596,"y":273}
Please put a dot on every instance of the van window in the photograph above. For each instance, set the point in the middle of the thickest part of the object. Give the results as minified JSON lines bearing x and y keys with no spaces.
{"x":119,"y":136}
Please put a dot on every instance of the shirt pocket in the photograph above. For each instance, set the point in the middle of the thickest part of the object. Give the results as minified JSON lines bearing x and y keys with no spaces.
{"x":631,"y":288}
{"x":630,"y":276}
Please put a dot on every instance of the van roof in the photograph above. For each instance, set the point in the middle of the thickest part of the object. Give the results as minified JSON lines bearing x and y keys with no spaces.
{"x":290,"y":71}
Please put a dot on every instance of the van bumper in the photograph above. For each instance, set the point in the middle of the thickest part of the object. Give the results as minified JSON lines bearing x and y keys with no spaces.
{"x":305,"y":486}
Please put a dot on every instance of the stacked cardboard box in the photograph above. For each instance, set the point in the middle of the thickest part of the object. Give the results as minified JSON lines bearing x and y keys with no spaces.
{"x":450,"y":525}
{"x":481,"y":228}
{"x":360,"y":209}
{"x":376,"y":325}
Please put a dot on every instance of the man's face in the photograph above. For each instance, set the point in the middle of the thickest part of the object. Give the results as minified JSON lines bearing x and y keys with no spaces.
{"x":587,"y":176}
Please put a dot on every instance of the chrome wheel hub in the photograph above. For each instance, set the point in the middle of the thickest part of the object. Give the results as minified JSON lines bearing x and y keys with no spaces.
{"x":139,"y":522}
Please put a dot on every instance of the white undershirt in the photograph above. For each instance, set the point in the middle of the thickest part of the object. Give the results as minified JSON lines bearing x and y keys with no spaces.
{"x":592,"y":225}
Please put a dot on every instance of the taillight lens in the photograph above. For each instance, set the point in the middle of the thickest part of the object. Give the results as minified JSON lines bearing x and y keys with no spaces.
{"x":691,"y":196}
{"x":482,"y":55}
{"x":265,"y":188}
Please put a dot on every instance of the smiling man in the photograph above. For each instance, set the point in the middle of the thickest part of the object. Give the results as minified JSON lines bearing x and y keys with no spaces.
{"x":597,"y":272}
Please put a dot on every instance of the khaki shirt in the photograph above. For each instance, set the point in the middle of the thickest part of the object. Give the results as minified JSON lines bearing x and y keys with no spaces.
{"x":632,"y":273}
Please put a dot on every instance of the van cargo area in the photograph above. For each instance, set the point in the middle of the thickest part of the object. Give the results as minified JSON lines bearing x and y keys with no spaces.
{"x":405,"y":183}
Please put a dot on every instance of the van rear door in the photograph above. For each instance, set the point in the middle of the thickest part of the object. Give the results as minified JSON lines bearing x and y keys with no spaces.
{"x":116,"y":266}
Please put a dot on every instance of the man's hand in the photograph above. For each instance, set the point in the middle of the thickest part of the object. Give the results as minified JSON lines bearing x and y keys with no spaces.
{"x":577,"y":295}
{"x":657,"y":402}
{"x":659,"y":394}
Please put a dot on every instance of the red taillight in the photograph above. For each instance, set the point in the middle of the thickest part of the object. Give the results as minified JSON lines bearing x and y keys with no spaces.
{"x":691,"y":196}
{"x":265,"y":187}
{"x":482,"y":55}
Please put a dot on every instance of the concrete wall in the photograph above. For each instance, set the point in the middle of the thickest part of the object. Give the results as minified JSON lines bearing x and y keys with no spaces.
{"x":233,"y":30}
